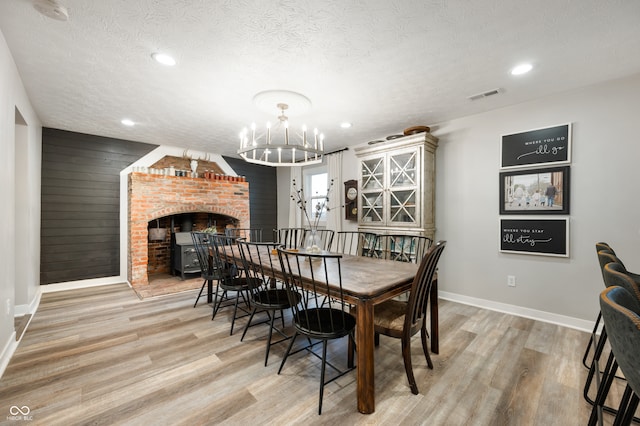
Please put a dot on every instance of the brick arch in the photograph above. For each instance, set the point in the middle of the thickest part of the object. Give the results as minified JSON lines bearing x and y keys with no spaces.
{"x":170,"y":211}
{"x":155,"y":196}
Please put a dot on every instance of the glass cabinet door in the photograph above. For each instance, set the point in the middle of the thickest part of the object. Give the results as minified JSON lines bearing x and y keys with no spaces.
{"x":372,"y":207}
{"x":372,"y":195}
{"x":403,"y":188}
{"x":372,"y":174}
{"x":403,"y":206}
{"x":402,"y":169}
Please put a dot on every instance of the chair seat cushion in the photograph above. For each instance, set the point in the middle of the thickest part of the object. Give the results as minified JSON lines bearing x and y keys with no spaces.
{"x":239,"y":284}
{"x":273,"y":299}
{"x":324,"y":323}
{"x":388,"y":318}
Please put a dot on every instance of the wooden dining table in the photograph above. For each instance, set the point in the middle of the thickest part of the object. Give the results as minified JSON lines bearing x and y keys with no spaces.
{"x":367,"y":282}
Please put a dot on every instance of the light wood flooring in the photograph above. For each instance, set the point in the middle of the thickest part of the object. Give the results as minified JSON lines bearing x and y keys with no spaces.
{"x":20,"y":325}
{"x":103,"y":356}
{"x":163,"y":284}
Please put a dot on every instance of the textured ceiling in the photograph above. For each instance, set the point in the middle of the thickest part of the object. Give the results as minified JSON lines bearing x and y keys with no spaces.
{"x":383,"y":65}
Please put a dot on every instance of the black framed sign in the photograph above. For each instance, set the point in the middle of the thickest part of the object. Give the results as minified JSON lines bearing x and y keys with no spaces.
{"x":551,"y":145}
{"x":535,"y":191}
{"x":546,"y":237}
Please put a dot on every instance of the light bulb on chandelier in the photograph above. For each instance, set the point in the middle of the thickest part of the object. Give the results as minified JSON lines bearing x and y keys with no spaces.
{"x":294,"y":151}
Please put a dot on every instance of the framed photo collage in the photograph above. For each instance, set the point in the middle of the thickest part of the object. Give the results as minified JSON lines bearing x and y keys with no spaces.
{"x":535,"y":191}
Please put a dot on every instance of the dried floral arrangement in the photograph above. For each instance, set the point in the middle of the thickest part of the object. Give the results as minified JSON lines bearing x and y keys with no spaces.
{"x":300,"y":200}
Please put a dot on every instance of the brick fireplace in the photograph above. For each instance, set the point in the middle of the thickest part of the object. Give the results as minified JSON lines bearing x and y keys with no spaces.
{"x":155,"y":196}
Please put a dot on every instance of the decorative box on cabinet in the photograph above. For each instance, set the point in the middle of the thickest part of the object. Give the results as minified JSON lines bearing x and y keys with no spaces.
{"x":397,"y":186}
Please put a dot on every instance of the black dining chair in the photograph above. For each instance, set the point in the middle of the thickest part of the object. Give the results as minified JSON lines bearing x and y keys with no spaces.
{"x":224,"y":249}
{"x":402,"y":320}
{"x":267,"y":294}
{"x":621,"y":315}
{"x":316,"y":316}
{"x":289,"y":237}
{"x":323,"y":238}
{"x":402,"y":248}
{"x":207,"y":270}
{"x":248,"y":234}
{"x":356,"y":243}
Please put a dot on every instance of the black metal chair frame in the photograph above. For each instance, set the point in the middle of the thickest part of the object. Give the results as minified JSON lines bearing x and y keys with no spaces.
{"x":324,"y":237}
{"x":207,"y":271}
{"x":400,"y":247}
{"x":605,"y":255}
{"x":311,"y":318}
{"x":415,"y":312}
{"x":248,"y":234}
{"x":357,"y":243}
{"x":230,"y":281}
{"x":602,"y":260}
{"x":289,"y":237}
{"x":267,"y":295}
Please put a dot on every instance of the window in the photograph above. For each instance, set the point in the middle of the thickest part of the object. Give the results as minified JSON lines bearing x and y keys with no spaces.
{"x":316,"y":184}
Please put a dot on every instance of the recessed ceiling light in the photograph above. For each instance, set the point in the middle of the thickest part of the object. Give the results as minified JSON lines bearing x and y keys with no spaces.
{"x":164,"y":59}
{"x":52,"y":9}
{"x":127,"y":122}
{"x":521,"y":69}
{"x":345,"y":125}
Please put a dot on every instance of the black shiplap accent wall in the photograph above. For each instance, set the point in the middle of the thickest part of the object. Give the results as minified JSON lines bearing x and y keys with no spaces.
{"x":80,"y":230}
{"x":263,"y":191}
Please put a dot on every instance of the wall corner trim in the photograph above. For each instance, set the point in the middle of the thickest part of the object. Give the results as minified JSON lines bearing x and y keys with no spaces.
{"x":7,"y":352}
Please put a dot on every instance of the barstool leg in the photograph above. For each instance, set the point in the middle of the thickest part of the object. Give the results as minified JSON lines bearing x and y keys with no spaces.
{"x":603,"y":389}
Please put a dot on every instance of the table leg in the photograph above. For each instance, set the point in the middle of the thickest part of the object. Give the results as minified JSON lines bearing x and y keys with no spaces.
{"x":364,"y":351}
{"x":435,"y":343}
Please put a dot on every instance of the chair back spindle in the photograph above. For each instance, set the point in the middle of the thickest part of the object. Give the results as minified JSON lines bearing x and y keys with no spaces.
{"x":356,"y":243}
{"x":402,"y":248}
{"x":324,"y":238}
{"x":289,"y":237}
{"x":248,"y":234}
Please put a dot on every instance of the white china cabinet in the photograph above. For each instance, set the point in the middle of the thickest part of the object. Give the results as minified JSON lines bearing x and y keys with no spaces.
{"x":397,"y":186}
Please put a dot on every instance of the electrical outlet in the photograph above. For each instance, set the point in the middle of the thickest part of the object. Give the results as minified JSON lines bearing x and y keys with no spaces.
{"x":8,"y":306}
{"x":511,"y":280}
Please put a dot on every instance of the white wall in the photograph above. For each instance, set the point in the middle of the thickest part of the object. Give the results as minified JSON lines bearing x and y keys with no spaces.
{"x":604,"y":202}
{"x":349,"y":172}
{"x":20,"y":162}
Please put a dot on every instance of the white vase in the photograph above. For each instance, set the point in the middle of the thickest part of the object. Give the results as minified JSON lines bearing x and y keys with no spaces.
{"x":194,"y":166}
{"x":312,"y":242}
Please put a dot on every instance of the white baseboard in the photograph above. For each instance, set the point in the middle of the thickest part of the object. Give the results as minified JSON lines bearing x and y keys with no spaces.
{"x":20,"y":310}
{"x":73,"y":285}
{"x":7,"y":352}
{"x":565,"y":321}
